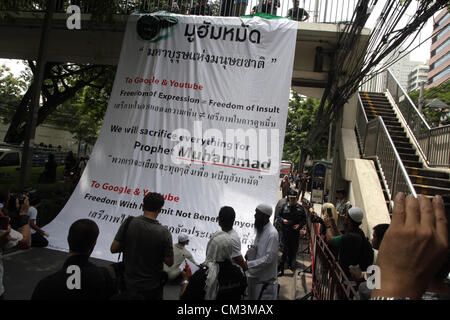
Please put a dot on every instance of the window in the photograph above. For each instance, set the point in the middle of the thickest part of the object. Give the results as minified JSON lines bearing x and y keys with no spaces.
{"x":441,"y":75}
{"x":441,"y":21}
{"x":10,"y":159}
{"x":442,"y":33}
{"x":441,"y":61}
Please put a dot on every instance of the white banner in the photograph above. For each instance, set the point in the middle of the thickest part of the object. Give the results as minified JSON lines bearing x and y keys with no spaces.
{"x":197,"y":113}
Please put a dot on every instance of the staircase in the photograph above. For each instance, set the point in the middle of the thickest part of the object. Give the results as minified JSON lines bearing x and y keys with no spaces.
{"x":425,"y":181}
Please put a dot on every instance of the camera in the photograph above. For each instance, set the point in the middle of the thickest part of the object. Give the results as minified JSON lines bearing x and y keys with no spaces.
{"x":31,"y":194}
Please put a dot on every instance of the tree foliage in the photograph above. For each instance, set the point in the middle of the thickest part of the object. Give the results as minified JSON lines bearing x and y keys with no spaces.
{"x":74,"y":97}
{"x":300,"y":118}
{"x":435,"y":116}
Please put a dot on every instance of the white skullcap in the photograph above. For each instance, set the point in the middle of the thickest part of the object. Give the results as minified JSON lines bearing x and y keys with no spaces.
{"x":356,"y":214}
{"x":264,"y":208}
{"x":183,"y":237}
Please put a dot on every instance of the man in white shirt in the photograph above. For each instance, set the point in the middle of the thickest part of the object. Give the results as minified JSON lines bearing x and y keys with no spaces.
{"x":37,"y":234}
{"x":226,"y":222}
{"x":262,"y":258}
{"x":180,"y":253}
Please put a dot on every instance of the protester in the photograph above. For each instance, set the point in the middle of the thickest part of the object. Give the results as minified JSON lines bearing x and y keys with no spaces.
{"x":262,"y":258}
{"x":292,"y":219}
{"x":353,"y":247}
{"x":171,"y":6}
{"x":302,"y":184}
{"x":180,"y":254}
{"x":414,"y":248}
{"x":202,"y":9}
{"x":285,"y":186}
{"x":49,"y":174}
{"x":78,"y":279}
{"x":226,"y":222}
{"x":266,"y":6}
{"x":70,"y":165}
{"x":10,"y":238}
{"x":297,"y":13}
{"x":220,"y":279}
{"x":146,"y":245}
{"x":342,"y":207}
{"x":37,"y":234}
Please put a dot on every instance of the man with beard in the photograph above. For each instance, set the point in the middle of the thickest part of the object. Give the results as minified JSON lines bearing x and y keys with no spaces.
{"x":262,"y":258}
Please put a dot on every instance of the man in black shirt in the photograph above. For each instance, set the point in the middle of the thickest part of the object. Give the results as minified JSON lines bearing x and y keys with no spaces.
{"x":297,"y":13}
{"x":292,"y":218}
{"x":78,"y":279}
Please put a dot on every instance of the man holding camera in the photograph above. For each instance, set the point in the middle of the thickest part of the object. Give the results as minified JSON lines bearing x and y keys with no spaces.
{"x":10,"y":238}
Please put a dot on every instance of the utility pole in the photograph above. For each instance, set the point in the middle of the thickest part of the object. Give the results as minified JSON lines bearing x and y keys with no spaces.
{"x":28,"y":146}
{"x":421,"y":99}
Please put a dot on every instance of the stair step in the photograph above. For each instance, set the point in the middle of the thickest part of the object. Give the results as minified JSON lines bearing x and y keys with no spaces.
{"x":403,"y":145}
{"x":427,"y":173}
{"x":406,"y":150}
{"x":409,"y":157}
{"x":400,"y":139}
{"x":434,"y":182}
{"x":430,"y":191}
{"x":414,"y":164}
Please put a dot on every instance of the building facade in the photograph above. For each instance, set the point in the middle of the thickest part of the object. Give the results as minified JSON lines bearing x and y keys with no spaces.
{"x":440,"y":50}
{"x":418,"y":75}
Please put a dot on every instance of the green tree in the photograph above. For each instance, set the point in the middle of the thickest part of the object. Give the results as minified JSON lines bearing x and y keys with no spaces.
{"x":62,"y":82}
{"x":11,"y":91}
{"x":435,"y":116}
{"x":301,"y":115}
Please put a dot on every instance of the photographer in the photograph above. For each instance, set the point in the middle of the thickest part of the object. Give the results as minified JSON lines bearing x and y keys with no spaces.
{"x":10,"y":238}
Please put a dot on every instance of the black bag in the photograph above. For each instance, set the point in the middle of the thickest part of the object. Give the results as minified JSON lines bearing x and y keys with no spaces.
{"x":117,"y":270}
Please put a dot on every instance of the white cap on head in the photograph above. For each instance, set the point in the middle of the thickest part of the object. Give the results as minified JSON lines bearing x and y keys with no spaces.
{"x":264,"y":208}
{"x":183,"y":237}
{"x":356,"y":214}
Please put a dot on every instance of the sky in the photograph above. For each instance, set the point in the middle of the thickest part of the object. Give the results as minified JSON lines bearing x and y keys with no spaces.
{"x":335,"y":9}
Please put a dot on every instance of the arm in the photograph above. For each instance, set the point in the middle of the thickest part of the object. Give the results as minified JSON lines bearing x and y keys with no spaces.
{"x":241,"y":262}
{"x":34,"y":226}
{"x":115,"y":247}
{"x":25,"y":243}
{"x":168,"y":261}
{"x":332,"y":230}
{"x":306,"y":16}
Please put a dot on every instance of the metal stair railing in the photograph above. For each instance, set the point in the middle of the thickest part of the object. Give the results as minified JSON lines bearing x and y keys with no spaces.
{"x":432,"y":143}
{"x":377,"y":143}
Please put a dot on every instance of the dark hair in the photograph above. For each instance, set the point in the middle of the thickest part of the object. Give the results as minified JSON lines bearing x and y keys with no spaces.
{"x":380,"y":230}
{"x":226,"y":217}
{"x":3,"y":195}
{"x":343,"y":192}
{"x":82,"y":236}
{"x":153,"y":202}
